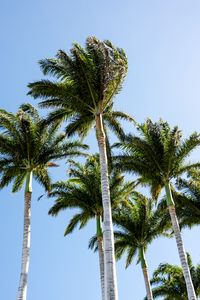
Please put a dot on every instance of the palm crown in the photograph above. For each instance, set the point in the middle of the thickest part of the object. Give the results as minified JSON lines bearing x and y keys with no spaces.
{"x":87,"y":81}
{"x":168,"y":281}
{"x":158,"y":154}
{"x":83,"y":191}
{"x":27,"y":145}
{"x":139,"y":224}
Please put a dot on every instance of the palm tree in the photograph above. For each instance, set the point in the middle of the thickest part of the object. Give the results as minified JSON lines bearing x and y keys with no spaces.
{"x":87,"y":82}
{"x":28,"y":147}
{"x":169,"y":281}
{"x":83,"y":191}
{"x":158,"y":155}
{"x":139,"y":223}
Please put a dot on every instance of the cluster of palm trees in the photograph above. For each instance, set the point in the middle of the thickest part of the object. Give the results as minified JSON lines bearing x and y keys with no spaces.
{"x":82,"y":97}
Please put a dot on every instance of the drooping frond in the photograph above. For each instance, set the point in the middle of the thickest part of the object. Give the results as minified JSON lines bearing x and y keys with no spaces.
{"x":93,"y":243}
{"x":19,"y":181}
{"x":81,"y":219}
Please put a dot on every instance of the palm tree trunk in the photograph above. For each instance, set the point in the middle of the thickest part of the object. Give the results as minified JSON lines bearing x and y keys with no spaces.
{"x":22,"y":290}
{"x":179,"y":242}
{"x":145,"y":274}
{"x":101,"y":255}
{"x":111,"y":292}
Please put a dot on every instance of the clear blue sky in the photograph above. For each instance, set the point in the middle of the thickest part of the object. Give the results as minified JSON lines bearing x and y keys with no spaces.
{"x":162,"y":41}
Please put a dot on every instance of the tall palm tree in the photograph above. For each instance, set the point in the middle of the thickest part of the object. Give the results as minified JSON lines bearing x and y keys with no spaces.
{"x":169,"y":283}
{"x":139,"y":223}
{"x":83,"y":191}
{"x":159,"y":155}
{"x":87,"y":82}
{"x":28,"y":147}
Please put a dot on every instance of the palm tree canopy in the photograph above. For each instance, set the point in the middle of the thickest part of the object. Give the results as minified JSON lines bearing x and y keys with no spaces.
{"x":28,"y":144}
{"x":86,"y":82}
{"x":83,"y":191}
{"x":169,"y":281}
{"x":139,"y":224}
{"x":158,"y":154}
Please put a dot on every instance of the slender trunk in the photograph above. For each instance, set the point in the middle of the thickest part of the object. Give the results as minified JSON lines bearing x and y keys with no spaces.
{"x":22,"y":290}
{"x":145,"y":274}
{"x":111,"y":292}
{"x":179,"y":242}
{"x":101,"y":255}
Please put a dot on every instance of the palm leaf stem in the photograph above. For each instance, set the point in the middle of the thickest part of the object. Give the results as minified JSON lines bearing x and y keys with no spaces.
{"x":29,"y":179}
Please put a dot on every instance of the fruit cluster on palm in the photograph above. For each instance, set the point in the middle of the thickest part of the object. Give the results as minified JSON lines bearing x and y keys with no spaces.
{"x":81,"y":95}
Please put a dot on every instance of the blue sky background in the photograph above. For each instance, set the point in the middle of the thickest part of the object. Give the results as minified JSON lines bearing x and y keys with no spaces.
{"x":162,"y":41}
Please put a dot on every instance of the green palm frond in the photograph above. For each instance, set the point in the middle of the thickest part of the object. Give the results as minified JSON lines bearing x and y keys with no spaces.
{"x":130,"y":254}
{"x":7,"y":176}
{"x":93,"y":243}
{"x":73,"y":223}
{"x":19,"y":181}
{"x":188,"y":146}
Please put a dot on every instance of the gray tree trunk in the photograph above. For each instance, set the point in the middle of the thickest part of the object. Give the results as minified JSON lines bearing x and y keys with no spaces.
{"x":22,"y":290}
{"x":101,"y":264}
{"x":147,"y":284}
{"x":180,"y":246}
{"x":145,"y":274}
{"x":111,"y":292}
